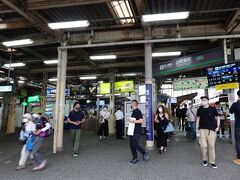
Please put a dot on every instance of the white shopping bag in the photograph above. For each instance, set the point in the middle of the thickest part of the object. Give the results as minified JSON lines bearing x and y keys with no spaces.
{"x":131,"y":127}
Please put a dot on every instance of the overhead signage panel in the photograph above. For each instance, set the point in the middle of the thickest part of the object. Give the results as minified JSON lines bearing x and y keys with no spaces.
{"x":195,"y":61}
{"x":190,"y":83}
{"x":5,"y":88}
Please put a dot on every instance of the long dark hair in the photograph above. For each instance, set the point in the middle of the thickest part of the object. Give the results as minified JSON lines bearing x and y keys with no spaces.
{"x":163,"y":108}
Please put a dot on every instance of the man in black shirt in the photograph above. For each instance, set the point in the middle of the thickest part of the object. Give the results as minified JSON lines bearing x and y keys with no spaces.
{"x":235,"y":109}
{"x":136,"y":118}
{"x":75,"y":119}
{"x":208,"y":122}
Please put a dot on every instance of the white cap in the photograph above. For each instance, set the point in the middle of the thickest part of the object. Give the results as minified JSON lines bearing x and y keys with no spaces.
{"x":27,"y":116}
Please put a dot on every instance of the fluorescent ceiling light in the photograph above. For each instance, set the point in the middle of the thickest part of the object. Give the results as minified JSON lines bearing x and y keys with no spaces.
{"x":20,"y":82}
{"x":164,"y":54}
{"x":69,"y":24}
{"x":99,"y":95}
{"x":17,"y":42}
{"x":126,"y":74}
{"x":103,"y":57}
{"x":88,"y":77}
{"x":123,"y":10}
{"x":51,"y":62}
{"x":2,"y":72}
{"x":165,"y":16}
{"x":52,"y":79}
{"x":13,"y":65}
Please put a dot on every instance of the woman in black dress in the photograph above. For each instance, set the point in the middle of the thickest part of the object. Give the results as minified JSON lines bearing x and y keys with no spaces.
{"x":162,"y":120}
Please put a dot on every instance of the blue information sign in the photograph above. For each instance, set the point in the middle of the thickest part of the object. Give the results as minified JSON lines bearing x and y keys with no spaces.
{"x":149,"y":122}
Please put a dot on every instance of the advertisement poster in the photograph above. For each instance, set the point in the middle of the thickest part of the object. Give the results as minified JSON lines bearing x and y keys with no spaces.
{"x":105,"y":88}
{"x":123,"y":86}
{"x":190,"y":83}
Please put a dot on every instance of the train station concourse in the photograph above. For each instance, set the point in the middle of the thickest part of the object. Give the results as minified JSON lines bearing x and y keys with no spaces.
{"x":120,"y":89}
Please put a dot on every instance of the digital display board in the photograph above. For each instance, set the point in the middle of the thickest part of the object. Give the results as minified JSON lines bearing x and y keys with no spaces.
{"x":105,"y":88}
{"x":227,"y":73}
{"x":123,"y":86}
{"x":5,"y":88}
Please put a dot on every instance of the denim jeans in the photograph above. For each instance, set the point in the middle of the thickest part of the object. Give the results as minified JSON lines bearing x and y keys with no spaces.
{"x":193,"y":129}
{"x":237,"y":141}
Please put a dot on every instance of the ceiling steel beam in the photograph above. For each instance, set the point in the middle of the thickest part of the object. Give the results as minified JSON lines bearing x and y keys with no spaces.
{"x":46,"y":4}
{"x":5,"y":9}
{"x":14,"y":25}
{"x":79,"y":68}
{"x":33,"y":17}
{"x":232,"y":21}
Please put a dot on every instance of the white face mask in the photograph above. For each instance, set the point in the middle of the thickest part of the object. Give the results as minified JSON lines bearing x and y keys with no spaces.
{"x":160,"y":110}
{"x":25,"y":120}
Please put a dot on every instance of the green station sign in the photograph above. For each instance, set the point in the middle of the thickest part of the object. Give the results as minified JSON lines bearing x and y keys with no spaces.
{"x":32,"y":99}
{"x":195,"y":61}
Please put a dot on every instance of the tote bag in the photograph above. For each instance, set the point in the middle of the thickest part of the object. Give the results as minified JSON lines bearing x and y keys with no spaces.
{"x":169,"y":128}
{"x":131,"y":128}
{"x":30,"y":142}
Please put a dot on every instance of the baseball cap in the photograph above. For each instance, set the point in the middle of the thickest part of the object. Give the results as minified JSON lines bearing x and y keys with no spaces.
{"x":27,"y":116}
{"x":205,"y":97}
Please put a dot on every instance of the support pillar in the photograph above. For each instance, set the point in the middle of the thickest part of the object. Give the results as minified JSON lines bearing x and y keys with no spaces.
{"x":112,"y":104}
{"x":44,"y":90}
{"x":149,"y":96}
{"x":11,"y":124}
{"x":60,"y":100}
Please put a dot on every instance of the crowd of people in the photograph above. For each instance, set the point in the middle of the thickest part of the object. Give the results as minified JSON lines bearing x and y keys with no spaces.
{"x":206,"y":120}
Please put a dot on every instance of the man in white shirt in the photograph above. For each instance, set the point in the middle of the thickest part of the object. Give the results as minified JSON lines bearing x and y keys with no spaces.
{"x":119,"y":123}
{"x":192,"y":115}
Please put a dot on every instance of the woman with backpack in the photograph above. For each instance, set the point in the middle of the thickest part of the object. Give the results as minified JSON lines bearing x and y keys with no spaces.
{"x":43,"y":130}
{"x":27,"y":129}
{"x":162,"y":120}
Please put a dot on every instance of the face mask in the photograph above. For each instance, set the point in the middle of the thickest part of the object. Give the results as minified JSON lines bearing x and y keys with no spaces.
{"x":160,"y":110}
{"x":204,"y":103}
{"x":78,"y":109}
{"x":25,"y":120}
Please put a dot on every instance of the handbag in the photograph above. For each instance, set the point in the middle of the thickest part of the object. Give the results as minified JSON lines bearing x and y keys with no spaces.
{"x":169,"y":128}
{"x":30,"y":142}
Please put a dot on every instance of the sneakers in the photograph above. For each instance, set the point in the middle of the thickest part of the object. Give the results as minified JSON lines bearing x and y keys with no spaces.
{"x":213,"y":165}
{"x":75,"y":155}
{"x":41,"y":166}
{"x":236,"y":161}
{"x":134,"y":161}
{"x":146,"y":156}
{"x":205,"y":163}
{"x":20,"y":167}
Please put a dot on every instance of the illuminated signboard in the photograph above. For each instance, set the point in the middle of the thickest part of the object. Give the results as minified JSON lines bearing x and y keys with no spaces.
{"x":105,"y":88}
{"x":5,"y":88}
{"x":32,"y":99}
{"x":123,"y":86}
{"x":227,"y":73}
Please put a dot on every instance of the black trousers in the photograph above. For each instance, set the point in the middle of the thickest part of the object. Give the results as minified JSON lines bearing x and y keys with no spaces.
{"x":161,"y":139}
{"x":237,"y":141}
{"x":134,"y":145}
{"x":119,"y":127}
{"x":103,"y":129}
